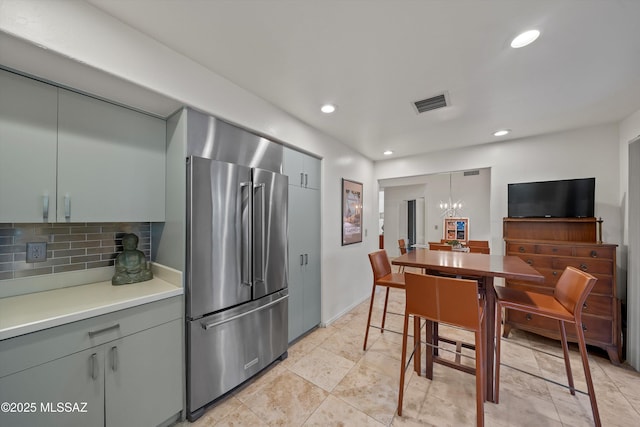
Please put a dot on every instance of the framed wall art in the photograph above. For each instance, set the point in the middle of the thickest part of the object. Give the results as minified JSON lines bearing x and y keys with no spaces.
{"x":351,"y":212}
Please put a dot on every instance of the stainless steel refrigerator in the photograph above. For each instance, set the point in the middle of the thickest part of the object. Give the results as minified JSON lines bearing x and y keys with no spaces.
{"x":236,"y":308}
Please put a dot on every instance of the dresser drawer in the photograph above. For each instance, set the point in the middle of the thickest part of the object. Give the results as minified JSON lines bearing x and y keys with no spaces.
{"x":589,"y":265}
{"x":521,"y":248}
{"x":603,"y":286}
{"x":599,"y":305}
{"x":605,"y":252}
{"x":596,"y":329}
{"x":537,"y":261}
{"x":560,"y":250}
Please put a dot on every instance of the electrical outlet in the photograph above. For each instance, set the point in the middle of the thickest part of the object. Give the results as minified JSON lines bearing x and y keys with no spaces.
{"x":36,"y":251}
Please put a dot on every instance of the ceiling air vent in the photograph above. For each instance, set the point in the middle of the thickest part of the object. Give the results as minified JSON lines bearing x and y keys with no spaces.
{"x":471,"y":173}
{"x":432,"y":103}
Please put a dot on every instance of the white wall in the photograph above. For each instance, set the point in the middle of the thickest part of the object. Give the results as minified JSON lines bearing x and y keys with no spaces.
{"x":83,"y":33}
{"x":630,"y":265}
{"x":395,"y":214}
{"x":586,"y":152}
{"x":474,"y":191}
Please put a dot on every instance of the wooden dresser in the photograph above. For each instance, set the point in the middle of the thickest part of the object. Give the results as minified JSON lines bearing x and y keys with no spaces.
{"x":550,"y":245}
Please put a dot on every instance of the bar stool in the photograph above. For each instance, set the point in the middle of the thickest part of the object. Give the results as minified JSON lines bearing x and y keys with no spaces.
{"x":565,"y":306}
{"x":452,"y":302}
{"x":382,"y":276}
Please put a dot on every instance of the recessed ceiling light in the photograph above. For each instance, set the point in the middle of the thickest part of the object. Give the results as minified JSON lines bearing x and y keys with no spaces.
{"x":388,"y":152}
{"x":525,"y":38}
{"x":501,"y":132}
{"x":328,"y":108}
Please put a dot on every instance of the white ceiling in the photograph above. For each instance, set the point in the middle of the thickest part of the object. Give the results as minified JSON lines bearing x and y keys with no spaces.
{"x":373,"y":58}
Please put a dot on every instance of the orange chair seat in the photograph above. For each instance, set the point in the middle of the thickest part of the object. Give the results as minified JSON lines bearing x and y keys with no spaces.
{"x":535,"y":303}
{"x":393,"y":280}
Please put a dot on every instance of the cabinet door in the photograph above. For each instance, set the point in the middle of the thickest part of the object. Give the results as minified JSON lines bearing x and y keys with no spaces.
{"x":76,"y":380}
{"x":312,"y":172}
{"x":111,"y":162}
{"x":293,"y":166}
{"x":296,"y":260}
{"x":143,"y":376}
{"x":311,"y":299}
{"x":28,"y":126}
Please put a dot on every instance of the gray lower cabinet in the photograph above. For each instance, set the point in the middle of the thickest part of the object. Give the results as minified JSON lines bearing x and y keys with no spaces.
{"x":116,"y":370}
{"x":143,"y":380}
{"x":304,"y":260}
{"x":38,"y":392}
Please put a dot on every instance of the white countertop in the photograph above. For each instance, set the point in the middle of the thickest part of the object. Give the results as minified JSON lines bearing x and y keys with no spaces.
{"x":23,"y":314}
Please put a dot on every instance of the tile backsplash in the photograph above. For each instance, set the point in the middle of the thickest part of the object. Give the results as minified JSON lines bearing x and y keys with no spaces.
{"x":70,"y":246}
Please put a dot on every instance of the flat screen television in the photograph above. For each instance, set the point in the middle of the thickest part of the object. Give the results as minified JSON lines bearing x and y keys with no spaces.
{"x":568,"y":198}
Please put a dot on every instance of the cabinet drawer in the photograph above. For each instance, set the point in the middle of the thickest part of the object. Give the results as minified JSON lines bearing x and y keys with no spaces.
{"x":596,"y":329}
{"x":589,"y":265}
{"x":602,"y":287}
{"x":521,"y":248}
{"x":605,"y":252}
{"x":537,"y":261}
{"x":554,"y":250}
{"x":39,"y":347}
{"x":599,"y":305}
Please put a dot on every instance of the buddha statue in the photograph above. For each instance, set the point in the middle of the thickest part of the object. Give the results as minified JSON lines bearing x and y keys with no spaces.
{"x":131,"y":265}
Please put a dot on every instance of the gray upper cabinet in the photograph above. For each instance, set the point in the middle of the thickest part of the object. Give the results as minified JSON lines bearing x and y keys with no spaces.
{"x":66,"y":157}
{"x":303,"y":170}
{"x":111,"y":162}
{"x":28,"y":135}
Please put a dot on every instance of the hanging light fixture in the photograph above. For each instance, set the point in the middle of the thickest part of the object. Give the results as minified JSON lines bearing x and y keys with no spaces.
{"x":450,"y":208}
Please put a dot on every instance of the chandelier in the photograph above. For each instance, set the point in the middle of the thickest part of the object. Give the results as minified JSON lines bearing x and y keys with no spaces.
{"x":450,"y":209}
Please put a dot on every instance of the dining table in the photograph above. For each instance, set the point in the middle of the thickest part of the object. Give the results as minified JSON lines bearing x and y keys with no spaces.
{"x":484,"y":268}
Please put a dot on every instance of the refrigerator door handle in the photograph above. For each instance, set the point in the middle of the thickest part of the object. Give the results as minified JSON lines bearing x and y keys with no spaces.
{"x":245,"y":269}
{"x":207,"y":326}
{"x":263,"y":239}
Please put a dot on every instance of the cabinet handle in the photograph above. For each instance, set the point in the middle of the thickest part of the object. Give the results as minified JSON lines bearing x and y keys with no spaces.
{"x":107,"y":329}
{"x":94,"y":366}
{"x":584,"y":306}
{"x":528,"y":317}
{"x":583,"y":267}
{"x":114,"y":358}
{"x":584,"y":327}
{"x":301,"y":259}
{"x":530,"y":262}
{"x":301,"y":179}
{"x":45,"y":208}
{"x":306,"y":259}
{"x":594,"y":254}
{"x":555,"y":273}
{"x":67,"y":207}
{"x":521,"y":249}
{"x":306,"y":180}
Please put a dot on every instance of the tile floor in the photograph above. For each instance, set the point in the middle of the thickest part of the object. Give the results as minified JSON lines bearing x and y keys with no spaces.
{"x":328,"y":380}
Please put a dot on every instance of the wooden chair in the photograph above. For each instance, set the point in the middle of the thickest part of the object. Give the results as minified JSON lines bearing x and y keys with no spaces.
{"x":452,"y":302}
{"x":479,"y":249}
{"x":565,"y":306}
{"x":382,"y":276}
{"x":439,"y":246}
{"x":403,"y":250}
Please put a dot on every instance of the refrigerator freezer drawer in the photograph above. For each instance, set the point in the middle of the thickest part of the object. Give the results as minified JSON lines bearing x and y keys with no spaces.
{"x":230,"y":347}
